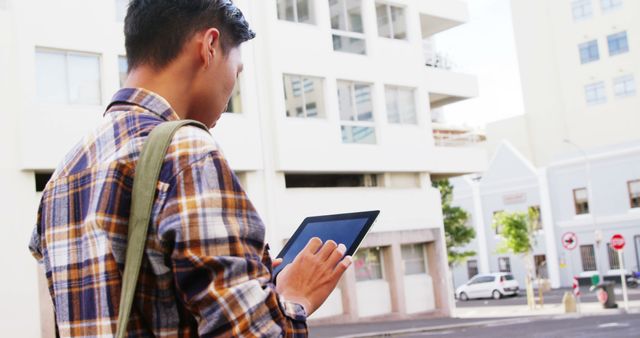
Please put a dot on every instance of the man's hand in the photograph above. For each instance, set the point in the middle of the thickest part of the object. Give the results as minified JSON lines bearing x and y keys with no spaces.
{"x":313,"y":274}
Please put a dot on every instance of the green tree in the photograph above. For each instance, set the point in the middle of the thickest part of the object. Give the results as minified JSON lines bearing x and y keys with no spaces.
{"x":457,"y":233}
{"x":517,"y":230}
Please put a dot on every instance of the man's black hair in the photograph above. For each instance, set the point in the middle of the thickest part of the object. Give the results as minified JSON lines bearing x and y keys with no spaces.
{"x":156,"y":30}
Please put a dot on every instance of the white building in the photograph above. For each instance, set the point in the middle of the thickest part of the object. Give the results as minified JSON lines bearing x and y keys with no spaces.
{"x":579,"y":70}
{"x":561,"y":192}
{"x":349,"y":130}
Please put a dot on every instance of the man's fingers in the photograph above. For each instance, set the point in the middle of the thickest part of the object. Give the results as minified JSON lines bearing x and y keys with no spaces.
{"x":327,"y":250}
{"x":313,"y":246}
{"x":276,"y":262}
{"x":342,"y":267}
{"x":336,"y":255}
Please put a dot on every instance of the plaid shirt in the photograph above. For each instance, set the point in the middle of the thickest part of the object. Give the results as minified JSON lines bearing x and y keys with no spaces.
{"x":206,"y":270}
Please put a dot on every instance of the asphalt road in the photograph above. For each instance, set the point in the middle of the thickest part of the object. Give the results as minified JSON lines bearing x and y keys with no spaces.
{"x":551,"y":297}
{"x":618,"y":326}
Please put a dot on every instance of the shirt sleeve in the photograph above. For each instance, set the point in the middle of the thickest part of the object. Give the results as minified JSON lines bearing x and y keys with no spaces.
{"x":216,"y":240}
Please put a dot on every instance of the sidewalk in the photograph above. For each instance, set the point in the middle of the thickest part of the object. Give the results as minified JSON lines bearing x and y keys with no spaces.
{"x":591,"y":308}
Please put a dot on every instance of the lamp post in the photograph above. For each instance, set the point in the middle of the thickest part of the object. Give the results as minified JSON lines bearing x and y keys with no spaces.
{"x":598,"y":233}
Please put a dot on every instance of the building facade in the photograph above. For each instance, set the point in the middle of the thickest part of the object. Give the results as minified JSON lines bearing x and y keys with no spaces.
{"x":591,"y":198}
{"x":331,"y":114}
{"x":579,"y":71}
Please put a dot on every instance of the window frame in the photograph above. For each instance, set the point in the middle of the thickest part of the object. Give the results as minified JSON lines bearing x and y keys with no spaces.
{"x":390,"y":22}
{"x":591,"y":260}
{"x":575,"y":203}
{"x":402,"y":120}
{"x":349,"y":33}
{"x":596,"y":88}
{"x":613,"y":258}
{"x":354,"y":111}
{"x":422,"y":259}
{"x":380,"y":251}
{"x":624,"y":80}
{"x":507,"y":262}
{"x":617,"y":43}
{"x":588,"y":47}
{"x":296,"y":15}
{"x":321,"y":114}
{"x":582,"y":5}
{"x":612,"y":5}
{"x":65,"y":53}
{"x":631,"y":197}
{"x":469,"y":268}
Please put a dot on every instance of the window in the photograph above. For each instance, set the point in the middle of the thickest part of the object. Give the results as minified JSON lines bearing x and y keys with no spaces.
{"x":581,"y":201}
{"x":346,"y":23}
{"x":413,"y":258}
{"x":496,"y":225}
{"x":122,"y":69}
{"x":41,"y":180}
{"x":535,"y":210}
{"x":330,"y":180}
{"x":595,"y":93}
{"x":588,"y":257}
{"x":296,"y":11}
{"x":235,"y":102}
{"x":581,"y":9}
{"x":504,"y":264}
{"x":618,"y":43}
{"x":401,"y":105}
{"x":614,"y":262}
{"x":540,"y":262}
{"x":368,"y":264}
{"x":472,"y":268}
{"x":624,"y":86}
{"x":356,"y":112}
{"x":391,"y":22}
{"x":609,"y":5}
{"x":589,"y":51}
{"x":65,"y":77}
{"x":121,"y":9}
{"x":304,"y":96}
{"x":634,"y":193}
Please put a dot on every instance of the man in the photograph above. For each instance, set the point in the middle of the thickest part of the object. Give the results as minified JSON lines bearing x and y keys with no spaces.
{"x":206,"y":270}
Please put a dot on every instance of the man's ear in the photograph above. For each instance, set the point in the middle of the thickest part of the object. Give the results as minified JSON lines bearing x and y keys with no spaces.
{"x":208,"y":46}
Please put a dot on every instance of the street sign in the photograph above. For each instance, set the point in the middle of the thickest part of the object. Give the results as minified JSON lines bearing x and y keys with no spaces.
{"x":569,"y":240}
{"x":617,"y":242}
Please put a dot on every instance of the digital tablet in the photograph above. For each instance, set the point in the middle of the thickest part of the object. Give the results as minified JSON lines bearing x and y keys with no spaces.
{"x":348,"y":229}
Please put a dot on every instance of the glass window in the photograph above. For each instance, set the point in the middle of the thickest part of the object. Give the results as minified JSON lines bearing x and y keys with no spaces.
{"x":634,"y":193}
{"x":296,"y":11}
{"x":582,"y":9}
{"x":391,"y":21}
{"x":595,"y":93}
{"x":122,"y":69}
{"x":472,"y":268}
{"x":497,"y":226}
{"x":618,"y":43}
{"x":121,"y":9}
{"x":68,"y":77}
{"x":588,"y":257}
{"x":581,"y":201}
{"x":235,"y":101}
{"x":624,"y":86}
{"x":614,"y":262}
{"x":304,"y":96}
{"x":346,"y":22}
{"x":356,"y":112}
{"x":589,"y":51}
{"x":609,"y":5}
{"x":401,"y":107}
{"x":413,"y":257}
{"x":504,"y":264}
{"x":537,"y":225}
{"x":368,"y":264}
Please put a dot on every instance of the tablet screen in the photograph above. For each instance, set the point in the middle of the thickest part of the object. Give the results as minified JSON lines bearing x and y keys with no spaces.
{"x":342,"y":231}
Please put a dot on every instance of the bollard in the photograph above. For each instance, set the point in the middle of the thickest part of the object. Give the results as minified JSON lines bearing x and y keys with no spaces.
{"x":569,"y":302}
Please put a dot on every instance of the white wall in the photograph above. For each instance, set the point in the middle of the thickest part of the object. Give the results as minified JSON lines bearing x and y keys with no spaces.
{"x":419,"y":295}
{"x":373,"y":298}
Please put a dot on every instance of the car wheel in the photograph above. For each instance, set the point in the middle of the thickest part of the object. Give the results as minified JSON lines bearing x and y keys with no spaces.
{"x":496,"y":294}
{"x":463,"y":297}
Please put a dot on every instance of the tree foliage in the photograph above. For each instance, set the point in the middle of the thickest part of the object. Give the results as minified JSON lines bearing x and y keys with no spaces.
{"x":457,"y":233}
{"x":517,"y":230}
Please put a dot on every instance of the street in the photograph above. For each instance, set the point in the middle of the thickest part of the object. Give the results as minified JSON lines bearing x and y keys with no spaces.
{"x":624,"y":325}
{"x":551,"y":297}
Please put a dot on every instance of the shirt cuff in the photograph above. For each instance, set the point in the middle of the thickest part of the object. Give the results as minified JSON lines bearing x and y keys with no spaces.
{"x":293,"y":310}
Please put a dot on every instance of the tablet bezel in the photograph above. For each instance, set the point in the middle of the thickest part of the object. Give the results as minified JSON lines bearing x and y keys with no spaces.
{"x":370,"y":215}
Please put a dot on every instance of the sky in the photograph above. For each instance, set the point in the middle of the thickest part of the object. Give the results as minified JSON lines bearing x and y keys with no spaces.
{"x":485,"y":47}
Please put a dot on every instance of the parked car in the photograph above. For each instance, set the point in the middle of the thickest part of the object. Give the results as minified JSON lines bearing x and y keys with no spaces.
{"x":494,"y":285}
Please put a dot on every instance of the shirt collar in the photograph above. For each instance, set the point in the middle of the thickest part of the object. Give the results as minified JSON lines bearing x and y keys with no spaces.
{"x":146,"y":99}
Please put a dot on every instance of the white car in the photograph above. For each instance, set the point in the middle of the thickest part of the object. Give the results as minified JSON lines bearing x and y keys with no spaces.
{"x":494,"y":285}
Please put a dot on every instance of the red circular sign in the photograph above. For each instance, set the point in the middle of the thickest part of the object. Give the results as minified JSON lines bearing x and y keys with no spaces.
{"x":617,"y":242}
{"x":602,"y":295}
{"x":569,"y":240}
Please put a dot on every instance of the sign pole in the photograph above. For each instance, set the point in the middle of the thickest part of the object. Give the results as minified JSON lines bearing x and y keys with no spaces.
{"x":623,"y":278}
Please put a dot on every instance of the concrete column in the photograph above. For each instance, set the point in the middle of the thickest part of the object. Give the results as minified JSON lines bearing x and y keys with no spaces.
{"x":393,"y":267}
{"x":349,"y":294}
{"x":546,"y":213}
{"x":438,"y":269}
{"x":478,"y":221}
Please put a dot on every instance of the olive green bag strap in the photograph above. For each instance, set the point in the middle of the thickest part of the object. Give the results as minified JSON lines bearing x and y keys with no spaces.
{"x":144,"y":189}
